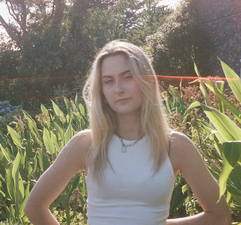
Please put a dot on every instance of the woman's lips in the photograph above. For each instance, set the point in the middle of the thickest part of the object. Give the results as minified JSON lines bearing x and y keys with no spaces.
{"x":122,"y":100}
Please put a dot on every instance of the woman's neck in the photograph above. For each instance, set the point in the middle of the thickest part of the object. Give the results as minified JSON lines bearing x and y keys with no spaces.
{"x":130,"y":127}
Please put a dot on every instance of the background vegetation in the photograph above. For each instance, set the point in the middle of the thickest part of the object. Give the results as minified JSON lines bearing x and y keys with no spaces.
{"x":50,"y":50}
{"x":29,"y":145}
{"x":52,"y":43}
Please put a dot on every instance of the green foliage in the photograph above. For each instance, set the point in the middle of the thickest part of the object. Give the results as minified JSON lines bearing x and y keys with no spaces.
{"x":29,"y":149}
{"x":211,"y":118}
{"x":177,"y":40}
{"x":9,"y":59}
{"x":53,"y":47}
{"x":62,"y":37}
{"x":226,"y":136}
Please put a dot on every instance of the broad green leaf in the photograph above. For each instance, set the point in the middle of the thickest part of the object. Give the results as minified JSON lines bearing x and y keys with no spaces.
{"x":35,"y":164}
{"x":58,"y":112}
{"x":21,"y":188}
{"x":22,"y":159}
{"x":226,"y":127}
{"x":67,"y":105}
{"x":217,"y":138}
{"x":202,"y":87}
{"x":5,"y":153}
{"x":32,"y":125}
{"x":10,"y":182}
{"x":184,"y":188}
{"x":220,"y":87}
{"x":231,"y":152}
{"x":16,"y":163}
{"x":68,"y":118}
{"x":177,"y":102}
{"x":76,"y":100}
{"x":174,"y":92}
{"x":77,"y":119}
{"x":214,"y":173}
{"x":3,"y":194}
{"x":74,"y":107}
{"x":59,"y":132}
{"x":44,"y":110}
{"x":15,"y":175}
{"x":24,"y":201}
{"x":235,"y":187}
{"x":227,"y":169}
{"x":81,"y":109}
{"x":235,"y":177}
{"x":15,"y":137}
{"x":165,"y":97}
{"x":233,"y":80}
{"x":55,"y":141}
{"x":48,"y":142}
{"x":222,"y":98}
{"x":68,"y":134}
{"x":43,"y":160}
{"x":237,"y":199}
{"x":30,"y":169}
{"x":75,"y":183}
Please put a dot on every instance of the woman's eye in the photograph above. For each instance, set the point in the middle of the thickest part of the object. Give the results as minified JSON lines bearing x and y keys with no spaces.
{"x":108,"y":81}
{"x":127,"y":76}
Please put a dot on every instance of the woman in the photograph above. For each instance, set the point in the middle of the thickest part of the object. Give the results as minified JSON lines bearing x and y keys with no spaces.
{"x":130,"y":154}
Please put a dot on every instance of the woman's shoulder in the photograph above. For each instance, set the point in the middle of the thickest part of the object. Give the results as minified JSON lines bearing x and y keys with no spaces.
{"x":177,"y":141}
{"x":86,"y":133}
{"x":81,"y":140}
{"x":180,"y":147}
{"x":180,"y":143}
{"x":78,"y":146}
{"x":176,"y":138}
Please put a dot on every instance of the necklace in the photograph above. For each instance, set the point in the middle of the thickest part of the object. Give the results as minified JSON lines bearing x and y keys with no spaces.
{"x":124,"y":146}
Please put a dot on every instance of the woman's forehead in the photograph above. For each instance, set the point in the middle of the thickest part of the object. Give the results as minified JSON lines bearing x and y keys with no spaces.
{"x":115,"y":64}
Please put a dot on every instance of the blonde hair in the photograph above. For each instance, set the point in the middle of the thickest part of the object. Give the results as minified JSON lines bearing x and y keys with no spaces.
{"x":103,"y":120}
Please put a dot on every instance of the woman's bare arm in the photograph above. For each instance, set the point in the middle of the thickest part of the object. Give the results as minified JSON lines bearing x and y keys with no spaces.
{"x":186,"y":159}
{"x":53,"y":181}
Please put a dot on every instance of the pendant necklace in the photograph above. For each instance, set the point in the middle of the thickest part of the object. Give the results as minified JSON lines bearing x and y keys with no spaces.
{"x":124,"y":146}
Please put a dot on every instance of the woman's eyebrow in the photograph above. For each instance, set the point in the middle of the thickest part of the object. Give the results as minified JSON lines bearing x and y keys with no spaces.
{"x":107,"y":75}
{"x":126,"y":71}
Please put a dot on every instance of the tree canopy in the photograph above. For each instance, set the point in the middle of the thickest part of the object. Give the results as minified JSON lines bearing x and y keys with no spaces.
{"x":63,"y":36}
{"x":179,"y":40}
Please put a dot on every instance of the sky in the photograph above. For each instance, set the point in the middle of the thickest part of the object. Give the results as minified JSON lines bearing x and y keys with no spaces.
{"x":5,"y":15}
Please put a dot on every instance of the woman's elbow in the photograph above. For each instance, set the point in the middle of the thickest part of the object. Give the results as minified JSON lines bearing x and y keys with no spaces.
{"x":28,"y":209}
{"x":224,"y":218}
{"x":32,"y":208}
{"x":228,"y":218}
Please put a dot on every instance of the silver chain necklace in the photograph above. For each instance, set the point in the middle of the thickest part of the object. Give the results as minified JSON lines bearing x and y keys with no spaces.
{"x":124,"y":146}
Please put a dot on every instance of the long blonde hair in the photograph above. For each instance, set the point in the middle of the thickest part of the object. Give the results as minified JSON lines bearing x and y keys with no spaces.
{"x":103,"y":120}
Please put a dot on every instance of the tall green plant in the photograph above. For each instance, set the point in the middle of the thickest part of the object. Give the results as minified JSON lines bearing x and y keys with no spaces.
{"x":226,"y":136}
{"x":29,"y":149}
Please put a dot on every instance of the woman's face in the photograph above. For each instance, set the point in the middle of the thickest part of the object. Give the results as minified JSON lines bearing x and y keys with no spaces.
{"x":119,"y":87}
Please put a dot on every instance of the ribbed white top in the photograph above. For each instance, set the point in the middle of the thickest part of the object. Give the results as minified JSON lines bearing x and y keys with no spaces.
{"x":131,"y":194}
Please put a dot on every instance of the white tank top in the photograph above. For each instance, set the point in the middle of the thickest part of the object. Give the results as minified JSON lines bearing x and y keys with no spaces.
{"x":131,"y":194}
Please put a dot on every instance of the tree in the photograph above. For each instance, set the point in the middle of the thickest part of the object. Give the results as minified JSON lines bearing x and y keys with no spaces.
{"x":9,"y":58}
{"x":177,"y":41}
{"x":62,"y":37}
{"x":41,"y":27}
{"x":152,"y":16}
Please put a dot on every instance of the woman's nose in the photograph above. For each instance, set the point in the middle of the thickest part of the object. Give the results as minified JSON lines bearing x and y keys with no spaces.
{"x":118,"y":86}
